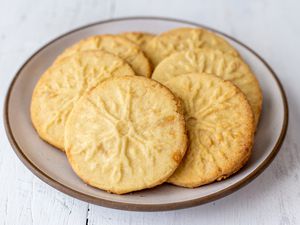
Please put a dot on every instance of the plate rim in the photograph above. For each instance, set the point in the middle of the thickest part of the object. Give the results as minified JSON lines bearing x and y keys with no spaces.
{"x":133,"y":206}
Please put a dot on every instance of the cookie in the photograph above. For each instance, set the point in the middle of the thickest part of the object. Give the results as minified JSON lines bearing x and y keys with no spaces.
{"x":220,"y":127}
{"x":125,"y":135}
{"x":116,"y":45}
{"x":64,"y":83}
{"x":139,"y":38}
{"x":182,"y":39}
{"x":224,"y":65}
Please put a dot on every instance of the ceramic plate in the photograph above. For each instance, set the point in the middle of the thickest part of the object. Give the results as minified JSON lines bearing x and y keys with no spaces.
{"x":51,"y":165}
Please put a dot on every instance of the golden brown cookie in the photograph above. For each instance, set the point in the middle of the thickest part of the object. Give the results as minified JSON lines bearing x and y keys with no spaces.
{"x":224,"y":65}
{"x":182,"y":39}
{"x":116,"y":45}
{"x":125,"y":135}
{"x":220,"y":127}
{"x":63,"y":84}
{"x":139,"y":38}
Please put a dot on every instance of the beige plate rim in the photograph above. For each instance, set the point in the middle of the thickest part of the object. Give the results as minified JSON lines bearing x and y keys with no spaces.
{"x":151,"y":207}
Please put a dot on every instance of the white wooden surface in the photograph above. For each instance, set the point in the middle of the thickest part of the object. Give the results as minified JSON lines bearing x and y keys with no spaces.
{"x":270,"y":27}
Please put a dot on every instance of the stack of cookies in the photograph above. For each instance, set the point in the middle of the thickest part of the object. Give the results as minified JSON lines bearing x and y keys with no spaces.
{"x":134,"y":110}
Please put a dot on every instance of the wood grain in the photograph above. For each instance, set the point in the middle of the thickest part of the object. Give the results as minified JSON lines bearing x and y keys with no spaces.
{"x":269,"y":27}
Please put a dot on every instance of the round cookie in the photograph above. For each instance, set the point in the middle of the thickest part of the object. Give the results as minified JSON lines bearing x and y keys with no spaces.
{"x":224,"y":65}
{"x":182,"y":39}
{"x":116,"y":45}
{"x":125,"y":135}
{"x":64,"y":83}
{"x":139,"y":38}
{"x":220,"y":127}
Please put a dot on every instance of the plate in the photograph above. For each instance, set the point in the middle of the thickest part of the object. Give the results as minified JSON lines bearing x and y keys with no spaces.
{"x":51,"y":166}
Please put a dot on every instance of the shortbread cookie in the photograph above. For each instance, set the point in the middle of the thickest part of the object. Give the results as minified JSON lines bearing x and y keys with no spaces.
{"x":220,"y":127}
{"x":116,"y":45}
{"x":183,"y":39}
{"x":139,"y":38}
{"x":224,"y":65}
{"x":64,"y":83}
{"x":125,"y":135}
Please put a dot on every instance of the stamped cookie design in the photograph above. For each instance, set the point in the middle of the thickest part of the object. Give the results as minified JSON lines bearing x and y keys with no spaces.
{"x":125,"y":135}
{"x":220,"y":127}
{"x":116,"y":45}
{"x":183,"y":39}
{"x":63,"y":84}
{"x":223,"y":65}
